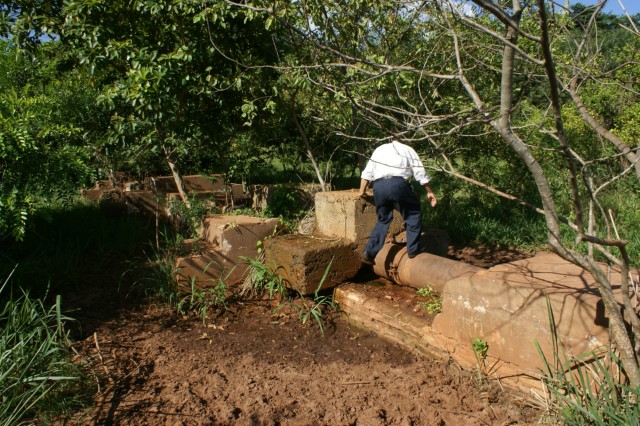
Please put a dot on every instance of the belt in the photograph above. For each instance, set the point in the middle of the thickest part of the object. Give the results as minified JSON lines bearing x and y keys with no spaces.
{"x":387,"y":177}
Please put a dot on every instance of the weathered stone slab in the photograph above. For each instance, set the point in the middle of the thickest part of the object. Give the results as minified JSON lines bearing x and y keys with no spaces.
{"x":302,"y":261}
{"x":192,"y":183}
{"x":146,"y":202}
{"x":373,"y":309}
{"x":93,"y":194}
{"x":104,"y":184}
{"x":506,"y":306}
{"x":263,"y":195}
{"x":206,"y":267}
{"x":344,"y":214}
{"x":225,"y":241}
{"x":236,"y":236}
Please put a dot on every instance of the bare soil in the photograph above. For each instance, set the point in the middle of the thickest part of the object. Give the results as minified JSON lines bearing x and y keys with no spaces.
{"x":253,"y":365}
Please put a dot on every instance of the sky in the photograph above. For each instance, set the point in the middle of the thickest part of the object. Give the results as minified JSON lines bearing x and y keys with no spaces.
{"x":613,"y":6}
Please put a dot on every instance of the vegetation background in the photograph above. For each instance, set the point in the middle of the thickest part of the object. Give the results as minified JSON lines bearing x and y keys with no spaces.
{"x":526,"y":115}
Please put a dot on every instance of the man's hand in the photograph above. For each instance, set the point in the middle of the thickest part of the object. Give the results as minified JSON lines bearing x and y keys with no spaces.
{"x":432,"y":199}
{"x":363,"y":189}
{"x":365,"y":196}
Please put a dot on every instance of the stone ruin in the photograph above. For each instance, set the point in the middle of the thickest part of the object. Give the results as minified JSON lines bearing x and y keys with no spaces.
{"x":153,"y":196}
{"x":505,"y":305}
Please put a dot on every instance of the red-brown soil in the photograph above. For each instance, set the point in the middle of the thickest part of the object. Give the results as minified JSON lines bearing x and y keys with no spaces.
{"x":253,"y":366}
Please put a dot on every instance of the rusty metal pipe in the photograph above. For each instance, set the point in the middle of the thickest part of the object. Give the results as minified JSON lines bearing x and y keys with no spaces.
{"x":424,"y":270}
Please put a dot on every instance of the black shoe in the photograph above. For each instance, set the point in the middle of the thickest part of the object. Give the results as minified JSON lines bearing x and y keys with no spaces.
{"x":366,"y":258}
{"x":412,"y":255}
{"x":421,"y":249}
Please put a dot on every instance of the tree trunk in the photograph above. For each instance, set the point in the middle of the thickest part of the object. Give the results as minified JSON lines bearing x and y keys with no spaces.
{"x":617,"y":326}
{"x":176,"y":175}
{"x":307,"y":145}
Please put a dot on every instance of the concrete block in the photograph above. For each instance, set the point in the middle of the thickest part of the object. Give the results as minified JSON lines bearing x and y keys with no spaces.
{"x":133,"y":186}
{"x":225,"y":241}
{"x":237,"y":191}
{"x":93,"y":194}
{"x":506,"y":306}
{"x":236,"y":236}
{"x":206,"y":267}
{"x":192,"y":183}
{"x":302,"y":261}
{"x":262,"y":196}
{"x":113,"y":203}
{"x":345,"y":215}
{"x":103,"y":184}
{"x":146,"y":202}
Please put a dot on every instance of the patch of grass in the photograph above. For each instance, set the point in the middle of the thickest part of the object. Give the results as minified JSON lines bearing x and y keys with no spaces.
{"x":262,"y":279}
{"x":314,"y":307}
{"x":201,"y":300}
{"x":37,"y":378}
{"x":158,"y":275}
{"x":588,"y":389}
{"x":265,"y":280}
{"x":161,"y":281}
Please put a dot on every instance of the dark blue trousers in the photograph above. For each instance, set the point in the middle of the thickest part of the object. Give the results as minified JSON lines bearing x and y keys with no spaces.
{"x":389,"y":194}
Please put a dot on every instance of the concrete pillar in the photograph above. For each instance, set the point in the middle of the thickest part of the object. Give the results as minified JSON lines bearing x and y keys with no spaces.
{"x":345,"y":215}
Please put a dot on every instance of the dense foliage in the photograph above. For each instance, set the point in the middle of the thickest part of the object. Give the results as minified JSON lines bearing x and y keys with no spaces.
{"x":525,"y":116}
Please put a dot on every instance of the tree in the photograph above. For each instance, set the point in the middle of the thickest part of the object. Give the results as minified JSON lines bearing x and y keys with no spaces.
{"x":47,"y":124}
{"x":465,"y":71}
{"x":171,"y":89}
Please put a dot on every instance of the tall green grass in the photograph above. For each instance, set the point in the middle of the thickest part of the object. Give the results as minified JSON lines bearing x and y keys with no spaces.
{"x":68,"y":246}
{"x":588,"y":389}
{"x":37,"y":378}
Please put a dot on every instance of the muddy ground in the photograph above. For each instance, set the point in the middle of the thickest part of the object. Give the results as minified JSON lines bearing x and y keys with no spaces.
{"x":250,"y":365}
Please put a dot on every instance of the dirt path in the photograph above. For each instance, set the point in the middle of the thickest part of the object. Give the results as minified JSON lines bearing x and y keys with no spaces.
{"x":250,"y":366}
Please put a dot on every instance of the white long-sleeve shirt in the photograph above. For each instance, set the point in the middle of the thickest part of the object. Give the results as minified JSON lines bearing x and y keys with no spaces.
{"x":395,"y":159}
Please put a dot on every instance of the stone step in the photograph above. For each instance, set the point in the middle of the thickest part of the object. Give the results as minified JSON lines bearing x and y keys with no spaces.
{"x":219,"y":254}
{"x":191,"y":183}
{"x":238,"y":235}
{"x":504,"y":306}
{"x":205,"y":267}
{"x":346,"y":215}
{"x":390,"y":311}
{"x":302,"y":261}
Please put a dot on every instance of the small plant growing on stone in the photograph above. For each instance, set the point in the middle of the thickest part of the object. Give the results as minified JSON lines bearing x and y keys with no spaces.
{"x":200,"y":300}
{"x":434,"y":304}
{"x":480,"y":349}
{"x":261,"y":279}
{"x":187,"y":220}
{"x":313,"y":308}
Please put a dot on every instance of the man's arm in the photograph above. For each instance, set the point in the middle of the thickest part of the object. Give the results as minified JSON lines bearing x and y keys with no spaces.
{"x":431,"y":197}
{"x":363,"y":187}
